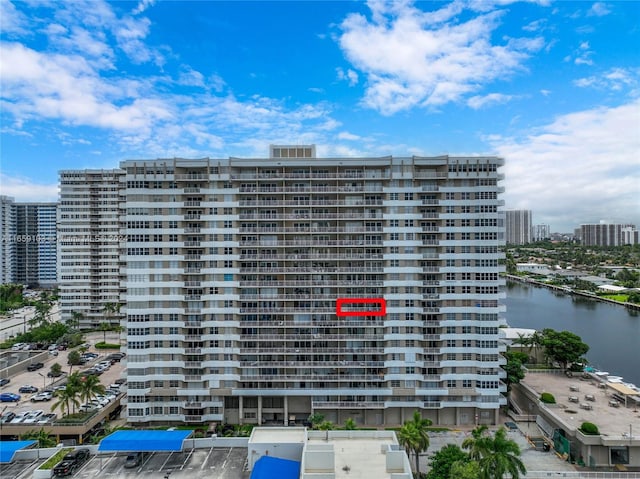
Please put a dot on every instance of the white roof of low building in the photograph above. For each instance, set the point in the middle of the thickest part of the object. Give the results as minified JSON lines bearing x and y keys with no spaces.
{"x":611,"y":287}
{"x":516,"y":333}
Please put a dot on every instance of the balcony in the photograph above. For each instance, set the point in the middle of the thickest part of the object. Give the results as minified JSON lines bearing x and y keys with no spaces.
{"x":192,"y":418}
{"x":347,"y":405}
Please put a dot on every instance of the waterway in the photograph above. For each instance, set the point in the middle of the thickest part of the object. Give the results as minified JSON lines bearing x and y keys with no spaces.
{"x":611,"y":331}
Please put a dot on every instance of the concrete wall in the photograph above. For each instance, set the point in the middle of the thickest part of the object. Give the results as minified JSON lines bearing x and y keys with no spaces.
{"x":14,"y":362}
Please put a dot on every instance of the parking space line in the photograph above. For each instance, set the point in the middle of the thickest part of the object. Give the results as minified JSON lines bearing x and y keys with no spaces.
{"x":167,"y":460}
{"x":186,"y":460}
{"x":224,"y":463}
{"x":206,"y":460}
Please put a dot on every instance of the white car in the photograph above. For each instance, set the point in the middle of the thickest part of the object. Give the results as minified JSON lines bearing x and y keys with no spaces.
{"x":103,"y":400}
{"x":43,"y":396}
{"x":33,"y":416}
{"x":20,"y":416}
{"x":47,"y":418}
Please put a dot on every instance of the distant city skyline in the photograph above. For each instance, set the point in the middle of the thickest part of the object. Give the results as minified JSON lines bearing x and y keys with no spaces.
{"x":552,"y":87}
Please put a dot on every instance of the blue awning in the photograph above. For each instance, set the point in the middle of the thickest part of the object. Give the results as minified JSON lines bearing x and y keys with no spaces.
{"x":148,"y":441}
{"x":268,"y":467}
{"x":8,"y":449}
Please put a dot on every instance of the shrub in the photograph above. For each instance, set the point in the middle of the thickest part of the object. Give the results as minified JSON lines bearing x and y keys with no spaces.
{"x":589,"y":428}
{"x":103,"y":345}
{"x":547,"y":398}
{"x":56,"y":458}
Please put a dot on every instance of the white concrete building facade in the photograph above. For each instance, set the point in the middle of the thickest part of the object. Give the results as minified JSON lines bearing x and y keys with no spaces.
{"x":89,"y":244}
{"x":233,"y":268}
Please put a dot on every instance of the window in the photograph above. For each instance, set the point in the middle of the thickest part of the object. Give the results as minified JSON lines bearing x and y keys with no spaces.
{"x":451,"y":383}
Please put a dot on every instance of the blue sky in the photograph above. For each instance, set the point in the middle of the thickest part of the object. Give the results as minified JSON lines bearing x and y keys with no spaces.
{"x":553,"y":87}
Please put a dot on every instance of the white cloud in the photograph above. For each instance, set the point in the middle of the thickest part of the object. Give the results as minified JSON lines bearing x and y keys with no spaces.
{"x":477,"y":102}
{"x":599,"y":9}
{"x":142,"y":6}
{"x":413,"y":58}
{"x":190,"y":77}
{"x":545,"y":92}
{"x":12,"y":21}
{"x":24,"y":189}
{"x":349,"y":76}
{"x":615,"y":79}
{"x":345,"y":135}
{"x":578,"y":169}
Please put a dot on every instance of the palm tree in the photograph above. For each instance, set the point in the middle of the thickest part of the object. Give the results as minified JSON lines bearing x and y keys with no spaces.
{"x":74,"y":321}
{"x":111,"y":309}
{"x":474,"y":444}
{"x":414,"y":437}
{"x":104,"y":327}
{"x":499,"y":456}
{"x":66,"y":397}
{"x":89,"y":387}
{"x":43,"y":438}
{"x":73,"y":386}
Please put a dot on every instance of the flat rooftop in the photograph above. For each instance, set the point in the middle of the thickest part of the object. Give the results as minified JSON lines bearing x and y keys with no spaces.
{"x":286,"y":435}
{"x":611,"y":421}
{"x":356,"y":455}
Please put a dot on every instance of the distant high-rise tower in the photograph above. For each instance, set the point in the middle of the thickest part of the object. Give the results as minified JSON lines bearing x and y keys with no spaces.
{"x":89,"y":244}
{"x":518,"y":226}
{"x":540,"y":232}
{"x":7,"y":247}
{"x":35,"y":252}
{"x":605,"y":234}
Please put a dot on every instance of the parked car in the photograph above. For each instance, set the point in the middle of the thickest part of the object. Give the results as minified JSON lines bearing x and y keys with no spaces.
{"x":47,"y":418}
{"x":43,"y":396}
{"x":7,"y":417}
{"x":19,"y":346}
{"x":53,"y":347}
{"x":33,"y":416}
{"x":19,"y":417}
{"x":51,"y":374}
{"x":35,"y":366}
{"x":134,"y":460}
{"x":54,"y":352}
{"x":4,"y":381}
{"x":28,"y":389}
{"x":9,"y":397}
{"x":71,"y":462}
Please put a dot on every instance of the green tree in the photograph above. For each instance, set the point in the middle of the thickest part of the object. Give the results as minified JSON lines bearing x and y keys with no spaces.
{"x":104,"y":327}
{"x":499,"y":456}
{"x":110,"y":310}
{"x":89,"y":387}
{"x":56,"y":370}
{"x":464,"y":470}
{"x":74,"y":359}
{"x":43,"y":438}
{"x":513,"y":368}
{"x":350,"y":424}
{"x":474,"y":443}
{"x":563,"y":347}
{"x":315,"y":419}
{"x":65,"y":398}
{"x":413,"y":436}
{"x":326,"y":426}
{"x":75,"y":320}
{"x":442,"y":461}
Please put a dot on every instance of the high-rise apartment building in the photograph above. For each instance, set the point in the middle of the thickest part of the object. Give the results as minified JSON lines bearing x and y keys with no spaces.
{"x":605,"y":234}
{"x":35,"y":246}
{"x":28,"y":252}
{"x":89,"y":244}
{"x":518,"y":226}
{"x":540,"y":232}
{"x":7,"y":246}
{"x":261,"y":290}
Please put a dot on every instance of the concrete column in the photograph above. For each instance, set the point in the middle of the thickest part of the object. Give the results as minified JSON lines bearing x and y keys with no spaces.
{"x":457,"y":416}
{"x":259,"y":410}
{"x":286,"y":410}
{"x":240,"y":413}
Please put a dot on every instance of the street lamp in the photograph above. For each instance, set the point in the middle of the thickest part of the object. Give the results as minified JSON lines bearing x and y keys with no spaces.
{"x":44,"y":380}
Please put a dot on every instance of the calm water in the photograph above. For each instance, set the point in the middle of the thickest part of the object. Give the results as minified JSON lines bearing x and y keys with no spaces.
{"x":612,"y":332}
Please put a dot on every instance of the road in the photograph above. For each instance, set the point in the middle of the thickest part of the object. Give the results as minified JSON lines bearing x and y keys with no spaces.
{"x":17,"y":321}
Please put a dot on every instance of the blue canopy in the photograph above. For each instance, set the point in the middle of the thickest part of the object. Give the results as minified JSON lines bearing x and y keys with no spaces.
{"x":151,"y":441}
{"x":9,"y":448}
{"x":268,"y":467}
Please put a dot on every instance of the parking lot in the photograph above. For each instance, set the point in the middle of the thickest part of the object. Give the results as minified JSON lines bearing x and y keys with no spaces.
{"x":39,"y":379}
{"x":214,"y":463}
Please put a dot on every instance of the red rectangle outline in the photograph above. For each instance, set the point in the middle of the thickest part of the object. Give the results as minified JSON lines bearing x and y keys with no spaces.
{"x":381,"y":312}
